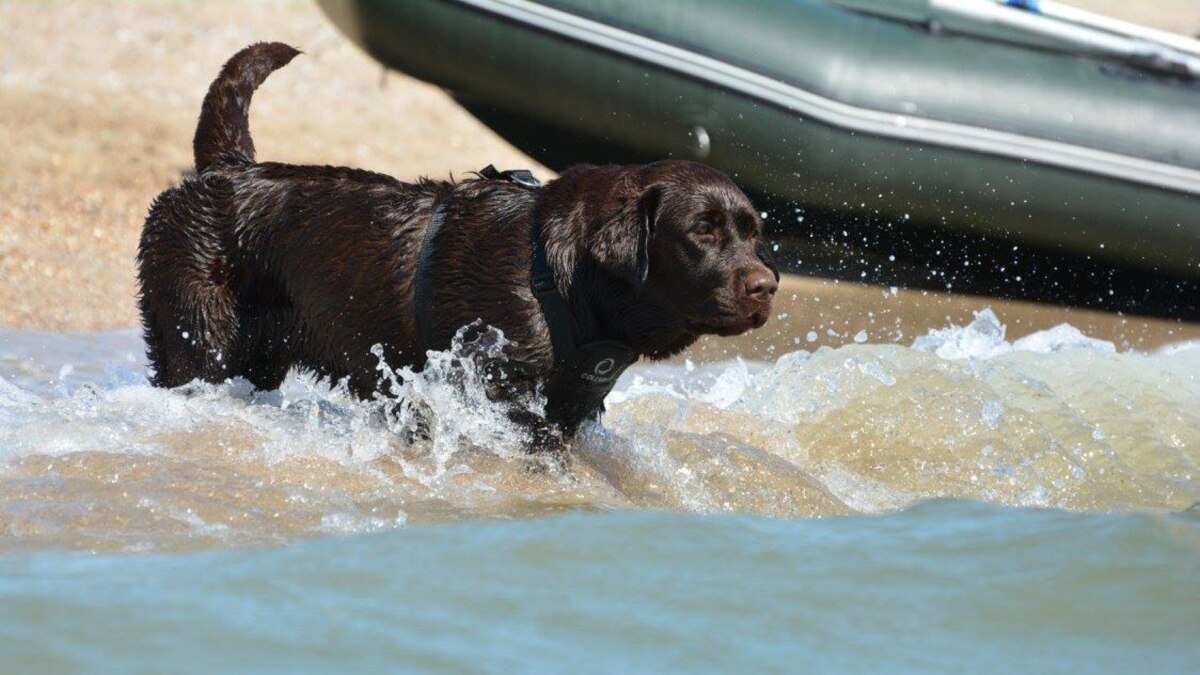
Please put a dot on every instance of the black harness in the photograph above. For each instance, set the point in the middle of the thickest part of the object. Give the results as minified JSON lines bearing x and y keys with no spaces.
{"x":583,"y":374}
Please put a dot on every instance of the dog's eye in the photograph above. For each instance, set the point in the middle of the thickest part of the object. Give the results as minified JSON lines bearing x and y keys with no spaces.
{"x":749,"y":227}
{"x":706,"y":233}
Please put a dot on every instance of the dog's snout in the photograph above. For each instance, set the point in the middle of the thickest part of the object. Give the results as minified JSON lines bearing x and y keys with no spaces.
{"x":761,"y":284}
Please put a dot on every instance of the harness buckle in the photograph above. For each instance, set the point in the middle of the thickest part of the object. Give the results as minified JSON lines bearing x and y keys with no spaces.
{"x":522,"y":177}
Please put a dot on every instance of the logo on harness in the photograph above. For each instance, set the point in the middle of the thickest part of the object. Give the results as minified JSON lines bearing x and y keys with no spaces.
{"x":603,"y":371}
{"x":604,"y":367}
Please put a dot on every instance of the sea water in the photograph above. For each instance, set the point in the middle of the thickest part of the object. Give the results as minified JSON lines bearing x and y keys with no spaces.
{"x":963,"y":503}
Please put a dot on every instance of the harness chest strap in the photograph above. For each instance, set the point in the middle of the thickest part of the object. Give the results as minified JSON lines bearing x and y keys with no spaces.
{"x":584,"y":374}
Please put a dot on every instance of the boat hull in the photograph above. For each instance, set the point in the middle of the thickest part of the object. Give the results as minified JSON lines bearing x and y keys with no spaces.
{"x":874,"y":119}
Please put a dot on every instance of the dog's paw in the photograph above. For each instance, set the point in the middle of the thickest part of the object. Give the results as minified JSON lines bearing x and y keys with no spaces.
{"x":554,"y":461}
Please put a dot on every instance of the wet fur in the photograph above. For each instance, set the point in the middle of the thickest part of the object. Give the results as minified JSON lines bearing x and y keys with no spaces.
{"x":250,"y":269}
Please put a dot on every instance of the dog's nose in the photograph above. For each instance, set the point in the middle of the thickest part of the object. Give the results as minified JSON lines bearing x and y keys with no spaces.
{"x":761,"y":284}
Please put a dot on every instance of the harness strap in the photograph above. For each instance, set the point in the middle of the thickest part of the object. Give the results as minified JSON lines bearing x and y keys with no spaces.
{"x":554,"y":306}
{"x":422,"y":292}
{"x":583,"y":375}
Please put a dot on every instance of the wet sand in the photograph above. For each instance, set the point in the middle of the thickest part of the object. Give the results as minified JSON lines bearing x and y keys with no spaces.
{"x":98,"y":102}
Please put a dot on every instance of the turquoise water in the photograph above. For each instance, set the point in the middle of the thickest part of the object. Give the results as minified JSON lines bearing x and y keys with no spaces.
{"x":965,"y":503}
{"x":940,"y":587}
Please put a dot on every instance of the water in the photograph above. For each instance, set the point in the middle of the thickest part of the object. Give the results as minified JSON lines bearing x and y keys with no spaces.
{"x":962,"y":504}
{"x":942,"y":587}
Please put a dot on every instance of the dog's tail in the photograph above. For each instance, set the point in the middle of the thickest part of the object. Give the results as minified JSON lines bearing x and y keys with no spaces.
{"x":223,"y":134}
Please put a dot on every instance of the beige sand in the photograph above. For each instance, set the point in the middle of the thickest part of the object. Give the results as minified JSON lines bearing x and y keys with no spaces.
{"x":98,"y":102}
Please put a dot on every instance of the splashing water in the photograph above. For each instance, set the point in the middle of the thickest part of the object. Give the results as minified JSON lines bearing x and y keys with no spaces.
{"x":448,"y":403}
{"x":91,"y":456}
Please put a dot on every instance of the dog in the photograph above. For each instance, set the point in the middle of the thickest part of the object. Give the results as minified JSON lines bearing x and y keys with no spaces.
{"x":249,"y":269}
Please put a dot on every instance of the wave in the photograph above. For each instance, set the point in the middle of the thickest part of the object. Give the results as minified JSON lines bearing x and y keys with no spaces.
{"x":91,"y":456}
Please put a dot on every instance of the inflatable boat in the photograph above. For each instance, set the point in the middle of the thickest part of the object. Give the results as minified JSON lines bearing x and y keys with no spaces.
{"x":1027,"y":122}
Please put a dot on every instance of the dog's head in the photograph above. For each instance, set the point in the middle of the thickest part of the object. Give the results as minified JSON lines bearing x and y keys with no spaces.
{"x":685,"y":246}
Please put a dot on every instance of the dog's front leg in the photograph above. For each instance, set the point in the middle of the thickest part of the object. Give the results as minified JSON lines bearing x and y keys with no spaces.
{"x":513,"y":384}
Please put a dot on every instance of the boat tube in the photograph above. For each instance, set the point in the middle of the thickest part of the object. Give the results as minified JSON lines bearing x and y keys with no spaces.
{"x":972,"y":116}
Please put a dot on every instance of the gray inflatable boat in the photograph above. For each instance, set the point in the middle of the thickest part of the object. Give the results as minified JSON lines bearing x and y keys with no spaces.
{"x":1033,"y":124}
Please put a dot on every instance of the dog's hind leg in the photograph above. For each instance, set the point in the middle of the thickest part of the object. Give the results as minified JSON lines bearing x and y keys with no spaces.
{"x":187,"y":298}
{"x":267,"y":343}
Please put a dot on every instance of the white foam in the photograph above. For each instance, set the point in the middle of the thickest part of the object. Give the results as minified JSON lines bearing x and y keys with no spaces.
{"x":1179,"y":347}
{"x":1061,"y":337}
{"x":983,"y":339}
{"x":1045,"y":415}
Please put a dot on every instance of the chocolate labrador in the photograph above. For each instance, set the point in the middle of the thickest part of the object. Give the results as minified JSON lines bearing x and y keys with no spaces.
{"x":248,"y":269}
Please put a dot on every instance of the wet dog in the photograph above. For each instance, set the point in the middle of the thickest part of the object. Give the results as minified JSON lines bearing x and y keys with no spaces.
{"x":249,"y":269}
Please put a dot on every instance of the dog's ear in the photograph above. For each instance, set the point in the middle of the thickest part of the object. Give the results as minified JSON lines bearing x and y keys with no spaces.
{"x":767,"y":258}
{"x":647,"y":217}
{"x":623,"y":247}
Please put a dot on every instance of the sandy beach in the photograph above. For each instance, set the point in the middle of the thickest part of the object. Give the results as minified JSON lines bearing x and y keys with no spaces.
{"x":98,"y":102}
